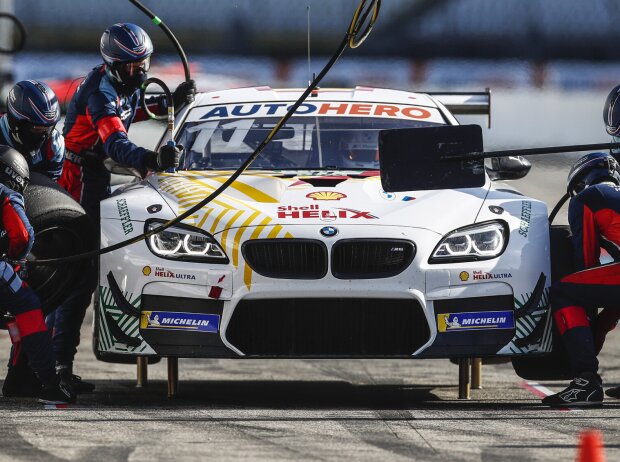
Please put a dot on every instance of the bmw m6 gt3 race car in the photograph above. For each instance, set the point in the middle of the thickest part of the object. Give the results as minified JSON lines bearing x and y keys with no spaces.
{"x":306,"y":255}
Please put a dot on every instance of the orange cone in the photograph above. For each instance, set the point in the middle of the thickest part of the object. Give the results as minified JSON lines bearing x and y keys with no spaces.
{"x":591,"y":447}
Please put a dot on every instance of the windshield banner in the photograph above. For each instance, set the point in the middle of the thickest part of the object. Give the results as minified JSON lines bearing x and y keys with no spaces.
{"x":324,"y":108}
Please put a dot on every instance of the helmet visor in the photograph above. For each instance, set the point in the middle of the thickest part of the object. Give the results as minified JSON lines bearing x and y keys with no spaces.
{"x":42,"y":131}
{"x":137,"y":67}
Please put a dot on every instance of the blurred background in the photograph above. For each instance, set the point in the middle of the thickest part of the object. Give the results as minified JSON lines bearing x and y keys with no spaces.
{"x":549,"y":63}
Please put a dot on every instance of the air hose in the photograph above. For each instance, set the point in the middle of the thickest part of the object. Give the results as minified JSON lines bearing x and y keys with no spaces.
{"x":22,"y":34}
{"x":158,"y":22}
{"x":365,"y":15}
{"x":557,"y":207}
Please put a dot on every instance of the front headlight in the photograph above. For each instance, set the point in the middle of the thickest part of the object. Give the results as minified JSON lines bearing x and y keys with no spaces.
{"x":183,"y":242}
{"x":481,"y":241}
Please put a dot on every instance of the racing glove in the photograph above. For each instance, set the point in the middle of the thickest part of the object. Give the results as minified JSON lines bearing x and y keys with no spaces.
{"x":185,"y":93}
{"x":167,"y":157}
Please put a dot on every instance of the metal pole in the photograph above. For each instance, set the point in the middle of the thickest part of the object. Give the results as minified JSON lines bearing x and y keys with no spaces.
{"x":476,"y":373}
{"x":143,"y":376}
{"x":531,"y":151}
{"x":173,"y":376}
{"x":464,"y":388}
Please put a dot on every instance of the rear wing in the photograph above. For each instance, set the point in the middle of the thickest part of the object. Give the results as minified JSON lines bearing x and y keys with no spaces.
{"x":466,"y":103}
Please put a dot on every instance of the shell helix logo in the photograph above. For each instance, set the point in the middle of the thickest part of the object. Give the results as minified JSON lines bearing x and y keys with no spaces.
{"x":326,"y":195}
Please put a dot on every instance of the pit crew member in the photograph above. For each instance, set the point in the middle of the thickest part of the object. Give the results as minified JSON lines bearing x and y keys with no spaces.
{"x":98,"y":117}
{"x":594,"y":218}
{"x":102,"y":110}
{"x":28,"y":330}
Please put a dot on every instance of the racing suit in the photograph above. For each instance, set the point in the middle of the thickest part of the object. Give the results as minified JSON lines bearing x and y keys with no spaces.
{"x":16,"y":297}
{"x":594,"y":218}
{"x":96,"y":125}
{"x":48,"y":160}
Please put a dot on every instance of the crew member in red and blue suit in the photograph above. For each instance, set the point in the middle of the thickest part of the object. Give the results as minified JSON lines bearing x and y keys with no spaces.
{"x":29,"y":331}
{"x":594,"y":218}
{"x":29,"y":126}
{"x":98,"y":118}
{"x":101,"y":112}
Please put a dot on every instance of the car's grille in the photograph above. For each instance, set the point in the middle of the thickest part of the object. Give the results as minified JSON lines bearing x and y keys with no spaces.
{"x":324,"y":327}
{"x":371,"y":258}
{"x":286,"y":258}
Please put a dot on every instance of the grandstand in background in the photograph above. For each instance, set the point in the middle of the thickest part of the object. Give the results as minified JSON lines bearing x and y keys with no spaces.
{"x":421,"y":29}
{"x":416,"y":44}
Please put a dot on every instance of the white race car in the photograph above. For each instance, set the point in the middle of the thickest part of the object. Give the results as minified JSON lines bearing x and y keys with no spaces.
{"x":306,"y":255}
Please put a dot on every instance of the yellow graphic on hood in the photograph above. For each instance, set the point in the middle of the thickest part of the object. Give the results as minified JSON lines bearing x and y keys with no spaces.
{"x":234,"y":218}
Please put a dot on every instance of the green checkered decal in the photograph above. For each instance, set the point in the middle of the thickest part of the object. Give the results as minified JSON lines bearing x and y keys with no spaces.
{"x":130,"y":325}
{"x":526,"y":324}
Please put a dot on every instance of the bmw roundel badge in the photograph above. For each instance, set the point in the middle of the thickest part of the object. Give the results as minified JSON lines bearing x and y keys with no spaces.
{"x":329,"y":231}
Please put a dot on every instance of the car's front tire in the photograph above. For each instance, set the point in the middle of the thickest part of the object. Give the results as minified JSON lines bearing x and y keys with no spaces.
{"x":62,"y":228}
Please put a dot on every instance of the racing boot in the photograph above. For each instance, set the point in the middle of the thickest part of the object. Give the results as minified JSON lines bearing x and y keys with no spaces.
{"x":65,"y":372}
{"x":584,"y":390}
{"x":57,"y":392}
{"x":20,"y":380}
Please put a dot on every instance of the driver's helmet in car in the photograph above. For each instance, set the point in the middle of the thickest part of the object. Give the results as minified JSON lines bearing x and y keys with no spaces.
{"x":359,"y":149}
{"x":593,"y":168}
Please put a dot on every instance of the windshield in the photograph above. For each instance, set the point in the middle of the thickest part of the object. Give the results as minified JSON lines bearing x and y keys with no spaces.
{"x":303,"y":143}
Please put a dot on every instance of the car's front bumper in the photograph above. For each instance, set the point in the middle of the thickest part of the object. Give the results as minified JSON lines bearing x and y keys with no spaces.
{"x":398,"y":316}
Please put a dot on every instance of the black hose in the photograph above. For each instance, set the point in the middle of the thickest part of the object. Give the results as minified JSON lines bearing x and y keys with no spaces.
{"x":350,"y":35}
{"x":168,"y":95}
{"x":557,"y":207}
{"x":22,"y":34}
{"x":158,"y":22}
{"x":359,"y":18}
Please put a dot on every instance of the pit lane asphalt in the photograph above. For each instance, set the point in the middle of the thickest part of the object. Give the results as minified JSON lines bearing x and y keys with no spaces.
{"x":312,"y":410}
{"x":303,"y":410}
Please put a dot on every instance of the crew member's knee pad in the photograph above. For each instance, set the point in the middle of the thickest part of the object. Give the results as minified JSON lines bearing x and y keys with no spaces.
{"x":30,"y":322}
{"x":569,"y":317}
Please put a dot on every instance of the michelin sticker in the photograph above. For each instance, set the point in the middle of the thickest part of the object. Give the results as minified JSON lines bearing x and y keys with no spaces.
{"x":450,"y":322}
{"x":168,"y":320}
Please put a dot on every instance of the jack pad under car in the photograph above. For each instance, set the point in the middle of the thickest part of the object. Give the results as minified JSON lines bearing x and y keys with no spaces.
{"x":410,"y":159}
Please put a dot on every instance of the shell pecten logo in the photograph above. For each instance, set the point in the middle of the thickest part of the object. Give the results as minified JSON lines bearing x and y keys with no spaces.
{"x":464,"y":276}
{"x":326,"y":195}
{"x":146,"y":270}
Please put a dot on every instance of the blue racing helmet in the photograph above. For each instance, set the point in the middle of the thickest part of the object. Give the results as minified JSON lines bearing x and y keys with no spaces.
{"x":126,"y":49}
{"x":33,"y":112}
{"x":591,"y":169}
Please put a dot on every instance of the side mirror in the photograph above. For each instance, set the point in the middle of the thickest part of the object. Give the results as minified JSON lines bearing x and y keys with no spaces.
{"x":508,"y":168}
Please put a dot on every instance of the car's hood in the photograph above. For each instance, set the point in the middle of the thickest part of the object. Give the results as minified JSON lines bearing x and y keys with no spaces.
{"x":294,"y":198}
